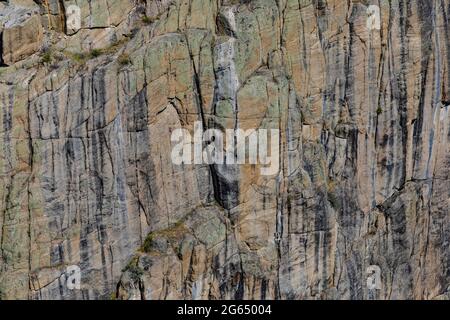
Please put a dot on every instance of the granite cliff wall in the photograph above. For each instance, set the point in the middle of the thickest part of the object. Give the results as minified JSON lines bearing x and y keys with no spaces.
{"x":86,"y":177}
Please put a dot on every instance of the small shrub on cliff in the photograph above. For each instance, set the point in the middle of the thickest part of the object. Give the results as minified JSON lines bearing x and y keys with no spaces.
{"x":379,"y":110}
{"x":134,"y":270}
{"x":78,"y":57}
{"x":135,"y":273}
{"x":147,"y":20}
{"x":47,"y":57}
{"x":147,"y":246}
{"x":96,"y":53}
{"x":124,"y":59}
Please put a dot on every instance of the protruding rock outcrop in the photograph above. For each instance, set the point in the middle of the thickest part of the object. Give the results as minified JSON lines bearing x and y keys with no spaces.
{"x":21,"y":33}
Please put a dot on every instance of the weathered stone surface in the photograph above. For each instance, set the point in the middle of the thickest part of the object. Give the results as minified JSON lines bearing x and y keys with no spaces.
{"x":21,"y":33}
{"x":86,"y":176}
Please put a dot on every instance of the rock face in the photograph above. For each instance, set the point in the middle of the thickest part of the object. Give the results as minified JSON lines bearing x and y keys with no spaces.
{"x":360,"y":94}
{"x":21,"y":34}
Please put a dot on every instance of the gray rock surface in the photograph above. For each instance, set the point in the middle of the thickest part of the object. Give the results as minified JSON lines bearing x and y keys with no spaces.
{"x":86,"y":177}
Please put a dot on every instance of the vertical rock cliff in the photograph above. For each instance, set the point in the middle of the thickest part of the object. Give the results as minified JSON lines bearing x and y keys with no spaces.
{"x":360,"y":94}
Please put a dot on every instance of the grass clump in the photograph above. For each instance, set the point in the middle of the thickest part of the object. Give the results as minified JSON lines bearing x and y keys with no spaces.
{"x":46,"y":57}
{"x":379,"y":110}
{"x":77,"y":57}
{"x":148,"y":243}
{"x":81,"y":57}
{"x":115,"y":46}
{"x":124,"y":59}
{"x":95,"y":53}
{"x":147,"y":20}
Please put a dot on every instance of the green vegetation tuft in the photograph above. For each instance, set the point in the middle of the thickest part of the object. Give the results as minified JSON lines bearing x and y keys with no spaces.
{"x":77,"y":57}
{"x":134,"y":270}
{"x":81,"y":57}
{"x":95,"y":53}
{"x":172,"y":234}
{"x":379,"y":110}
{"x":124,"y":59}
{"x":148,"y":243}
{"x":147,"y":20}
{"x":135,"y":273}
{"x":47,"y":57}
